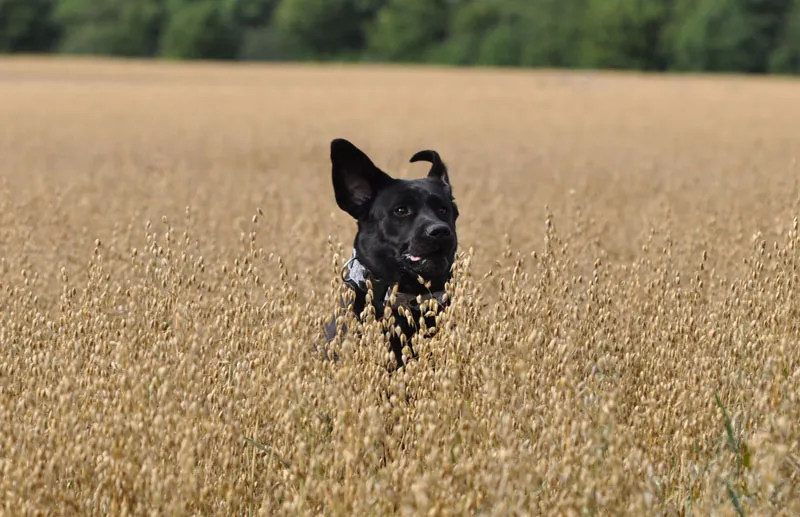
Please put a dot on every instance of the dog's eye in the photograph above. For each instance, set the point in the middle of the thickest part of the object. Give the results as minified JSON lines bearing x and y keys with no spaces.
{"x":401,"y":211}
{"x":443,"y":210}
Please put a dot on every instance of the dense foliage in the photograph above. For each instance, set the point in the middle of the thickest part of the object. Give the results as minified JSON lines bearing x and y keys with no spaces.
{"x":753,"y":36}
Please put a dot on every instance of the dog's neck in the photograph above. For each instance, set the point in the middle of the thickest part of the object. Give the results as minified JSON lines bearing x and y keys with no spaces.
{"x":356,"y":275}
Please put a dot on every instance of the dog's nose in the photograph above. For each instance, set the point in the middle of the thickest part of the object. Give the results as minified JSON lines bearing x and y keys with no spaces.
{"x":439,"y":231}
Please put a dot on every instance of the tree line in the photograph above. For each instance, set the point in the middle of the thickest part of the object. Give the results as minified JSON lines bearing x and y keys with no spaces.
{"x":750,"y":36}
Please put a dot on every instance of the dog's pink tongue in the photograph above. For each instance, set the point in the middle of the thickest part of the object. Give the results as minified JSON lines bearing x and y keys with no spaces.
{"x":414,"y":258}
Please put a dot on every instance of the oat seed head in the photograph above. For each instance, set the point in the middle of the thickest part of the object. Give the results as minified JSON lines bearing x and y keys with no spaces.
{"x":623,"y":332}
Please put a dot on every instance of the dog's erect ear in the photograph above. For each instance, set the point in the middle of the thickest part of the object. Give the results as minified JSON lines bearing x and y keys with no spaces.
{"x":438,"y":168}
{"x":356,"y":180}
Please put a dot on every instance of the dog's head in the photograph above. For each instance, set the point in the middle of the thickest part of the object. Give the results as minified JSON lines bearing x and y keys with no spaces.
{"x":406,"y":228}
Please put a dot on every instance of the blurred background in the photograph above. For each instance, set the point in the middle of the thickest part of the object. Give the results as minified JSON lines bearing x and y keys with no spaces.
{"x":749,"y":36}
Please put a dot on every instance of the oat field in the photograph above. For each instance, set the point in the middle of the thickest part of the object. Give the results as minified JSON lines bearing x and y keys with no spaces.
{"x":624,"y":337}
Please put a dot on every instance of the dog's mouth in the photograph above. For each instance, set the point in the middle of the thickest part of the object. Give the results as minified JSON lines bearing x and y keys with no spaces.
{"x":420,"y":257}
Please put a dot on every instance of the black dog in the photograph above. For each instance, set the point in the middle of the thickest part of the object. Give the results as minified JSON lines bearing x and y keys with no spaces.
{"x":406,"y":233}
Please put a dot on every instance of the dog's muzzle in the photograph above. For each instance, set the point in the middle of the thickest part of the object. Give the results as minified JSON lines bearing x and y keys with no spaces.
{"x":355,"y":275}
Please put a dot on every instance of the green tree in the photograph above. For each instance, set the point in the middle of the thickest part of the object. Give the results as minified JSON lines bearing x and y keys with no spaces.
{"x":714,"y":36}
{"x":117,"y":27}
{"x":726,"y":35}
{"x":258,"y":39}
{"x":502,"y":46}
{"x":322,"y":28}
{"x":625,"y":34}
{"x":408,"y":30}
{"x":470,"y":29}
{"x":554,"y":32}
{"x":202,"y":29}
{"x":27,"y":26}
{"x":785,"y":56}
{"x":769,"y":19}
{"x":516,"y":32}
{"x":251,"y":13}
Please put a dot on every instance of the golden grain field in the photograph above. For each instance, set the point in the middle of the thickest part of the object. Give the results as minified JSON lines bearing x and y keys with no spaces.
{"x":624,"y":337}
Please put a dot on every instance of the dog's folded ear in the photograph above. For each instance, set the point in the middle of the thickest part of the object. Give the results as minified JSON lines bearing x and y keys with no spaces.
{"x":356,"y":180}
{"x":438,"y":168}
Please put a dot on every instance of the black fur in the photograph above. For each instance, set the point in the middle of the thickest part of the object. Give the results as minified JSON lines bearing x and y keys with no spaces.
{"x":406,"y":230}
